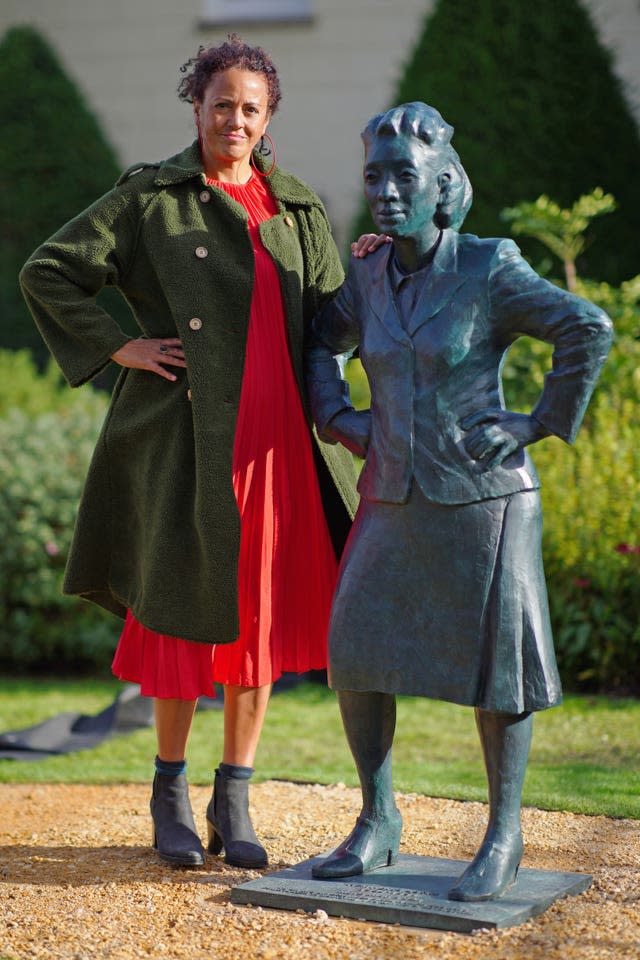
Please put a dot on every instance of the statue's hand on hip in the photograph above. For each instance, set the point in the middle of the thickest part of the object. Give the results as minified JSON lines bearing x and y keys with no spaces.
{"x":493,"y":435}
{"x":351,"y":428}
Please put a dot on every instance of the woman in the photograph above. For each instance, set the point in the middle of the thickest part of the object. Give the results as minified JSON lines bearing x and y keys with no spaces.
{"x":206,"y":489}
{"x":441,"y":590}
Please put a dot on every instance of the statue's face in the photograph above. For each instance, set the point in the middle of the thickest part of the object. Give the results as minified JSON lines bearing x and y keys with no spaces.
{"x":401,"y":185}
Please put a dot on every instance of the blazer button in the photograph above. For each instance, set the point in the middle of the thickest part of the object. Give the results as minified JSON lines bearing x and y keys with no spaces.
{"x":288,"y":221}
{"x":201,"y":253}
{"x":195,"y":323}
{"x":205,"y":196}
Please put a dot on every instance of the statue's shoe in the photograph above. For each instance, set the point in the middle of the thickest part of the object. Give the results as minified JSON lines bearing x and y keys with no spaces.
{"x":492,"y":871}
{"x":370,"y":845}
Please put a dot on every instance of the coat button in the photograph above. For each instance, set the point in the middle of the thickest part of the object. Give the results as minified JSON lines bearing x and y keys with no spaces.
{"x":195,"y":323}
{"x":288,"y":221}
{"x":205,"y":196}
{"x":189,"y":397}
{"x":201,"y":253}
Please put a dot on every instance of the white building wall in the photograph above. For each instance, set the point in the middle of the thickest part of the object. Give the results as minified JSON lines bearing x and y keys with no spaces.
{"x":336,"y":73}
{"x":618,"y":22}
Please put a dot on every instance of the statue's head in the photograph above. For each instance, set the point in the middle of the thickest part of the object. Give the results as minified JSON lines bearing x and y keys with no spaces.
{"x":413,"y":177}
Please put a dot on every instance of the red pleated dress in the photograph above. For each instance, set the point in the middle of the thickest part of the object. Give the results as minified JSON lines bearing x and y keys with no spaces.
{"x":287,"y":566}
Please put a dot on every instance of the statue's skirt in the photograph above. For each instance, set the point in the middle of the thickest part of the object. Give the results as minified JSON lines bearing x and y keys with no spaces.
{"x":447,"y":602}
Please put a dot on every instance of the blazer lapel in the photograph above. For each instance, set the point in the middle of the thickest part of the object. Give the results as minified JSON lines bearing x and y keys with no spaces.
{"x":381,"y":299}
{"x":441,"y":283}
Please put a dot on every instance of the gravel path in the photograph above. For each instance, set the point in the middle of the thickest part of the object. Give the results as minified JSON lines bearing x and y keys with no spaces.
{"x":79,"y":881}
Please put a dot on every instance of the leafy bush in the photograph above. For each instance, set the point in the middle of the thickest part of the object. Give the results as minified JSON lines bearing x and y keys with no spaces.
{"x":47,"y":434}
{"x":21,"y":386}
{"x":591,"y":504}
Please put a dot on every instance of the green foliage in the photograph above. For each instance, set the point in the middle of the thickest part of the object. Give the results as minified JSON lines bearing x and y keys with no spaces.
{"x":623,"y":306}
{"x":358,"y":384}
{"x":591,"y":505}
{"x":54,"y":162}
{"x":21,"y":386}
{"x":47,"y":434}
{"x":537,"y":110}
{"x":561,"y":231}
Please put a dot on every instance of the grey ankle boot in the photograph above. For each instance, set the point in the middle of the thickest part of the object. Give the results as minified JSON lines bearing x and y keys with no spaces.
{"x":174,"y":831}
{"x":229,"y":824}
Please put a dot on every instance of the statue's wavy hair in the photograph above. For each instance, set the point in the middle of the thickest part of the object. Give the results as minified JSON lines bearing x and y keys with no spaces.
{"x":423,"y":122}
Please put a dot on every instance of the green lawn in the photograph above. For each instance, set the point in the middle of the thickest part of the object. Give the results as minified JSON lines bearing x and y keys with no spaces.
{"x":585,"y":756}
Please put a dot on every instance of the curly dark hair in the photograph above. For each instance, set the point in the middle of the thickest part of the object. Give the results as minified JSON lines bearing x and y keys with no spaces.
{"x":234,"y":52}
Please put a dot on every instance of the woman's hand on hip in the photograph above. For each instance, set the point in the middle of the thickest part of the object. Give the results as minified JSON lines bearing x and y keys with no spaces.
{"x":495,"y":434}
{"x":151,"y":354}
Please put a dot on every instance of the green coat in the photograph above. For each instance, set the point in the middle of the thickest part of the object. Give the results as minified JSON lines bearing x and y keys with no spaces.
{"x":157,"y":530}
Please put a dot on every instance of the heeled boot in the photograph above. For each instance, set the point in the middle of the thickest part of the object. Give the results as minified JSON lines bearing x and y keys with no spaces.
{"x":174,"y":832}
{"x":228,"y":822}
{"x":505,"y":739}
{"x":369,"y":721}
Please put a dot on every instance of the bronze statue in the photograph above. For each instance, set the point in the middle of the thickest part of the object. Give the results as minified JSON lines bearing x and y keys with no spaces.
{"x":441,"y":590}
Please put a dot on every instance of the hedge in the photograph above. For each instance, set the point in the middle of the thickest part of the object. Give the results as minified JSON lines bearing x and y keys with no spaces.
{"x":54,"y":162}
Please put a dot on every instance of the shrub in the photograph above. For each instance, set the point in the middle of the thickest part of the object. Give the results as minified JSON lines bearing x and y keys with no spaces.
{"x":54,"y":162}
{"x":591,"y":504}
{"x":44,"y":455}
{"x":23,"y":388}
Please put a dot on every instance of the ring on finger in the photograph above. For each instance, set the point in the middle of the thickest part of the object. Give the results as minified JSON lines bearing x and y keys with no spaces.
{"x":163,"y":348}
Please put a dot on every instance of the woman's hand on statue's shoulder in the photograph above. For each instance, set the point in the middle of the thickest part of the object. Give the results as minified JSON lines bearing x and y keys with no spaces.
{"x":493,"y":435}
{"x":368,"y":242}
{"x":151,"y":355}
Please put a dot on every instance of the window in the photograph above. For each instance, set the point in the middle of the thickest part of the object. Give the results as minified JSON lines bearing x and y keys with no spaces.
{"x":217,"y":13}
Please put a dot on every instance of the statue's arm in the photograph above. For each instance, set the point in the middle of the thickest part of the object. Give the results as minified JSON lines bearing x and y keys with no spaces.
{"x":522,"y":303}
{"x":336,"y":334}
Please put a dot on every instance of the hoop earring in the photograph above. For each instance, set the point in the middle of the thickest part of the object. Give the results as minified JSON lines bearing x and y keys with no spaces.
{"x":265,"y":151}
{"x":200,"y":144}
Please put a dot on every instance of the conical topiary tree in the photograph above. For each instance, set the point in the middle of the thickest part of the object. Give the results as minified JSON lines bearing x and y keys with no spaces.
{"x":536,"y":110}
{"x":54,"y":161}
